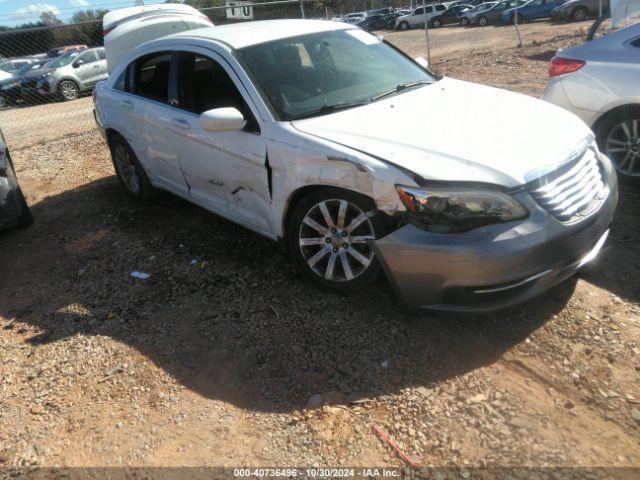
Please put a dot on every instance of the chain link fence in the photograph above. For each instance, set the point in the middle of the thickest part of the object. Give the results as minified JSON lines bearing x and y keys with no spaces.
{"x":37,"y":105}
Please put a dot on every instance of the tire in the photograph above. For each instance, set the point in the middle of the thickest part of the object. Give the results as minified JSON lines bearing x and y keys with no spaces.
{"x":129,"y":171}
{"x":436,"y":23}
{"x":579,"y":14}
{"x":26,"y":218}
{"x":483,"y":21}
{"x":330,"y":256}
{"x":68,"y":90}
{"x":403,"y":26}
{"x":618,"y":136}
{"x":464,"y":21}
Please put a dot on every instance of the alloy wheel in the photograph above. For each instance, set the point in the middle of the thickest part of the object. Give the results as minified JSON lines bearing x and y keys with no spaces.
{"x":483,"y":21}
{"x":69,"y":90}
{"x":126,"y":169}
{"x":579,"y":14}
{"x":333,"y":239}
{"x":623,"y":146}
{"x":464,"y":21}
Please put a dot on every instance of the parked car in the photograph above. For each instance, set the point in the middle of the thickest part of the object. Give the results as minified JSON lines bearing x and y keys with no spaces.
{"x":598,"y":81}
{"x":449,"y":16}
{"x":579,"y":10}
{"x":465,"y":17}
{"x":473,"y":3}
{"x":419,"y":16}
{"x":10,"y":89}
{"x":14,"y":211}
{"x":9,"y":66}
{"x":490,"y":12}
{"x":327,"y":138}
{"x":66,"y":77}
{"x":351,"y":17}
{"x":531,"y":10}
{"x":377,"y":22}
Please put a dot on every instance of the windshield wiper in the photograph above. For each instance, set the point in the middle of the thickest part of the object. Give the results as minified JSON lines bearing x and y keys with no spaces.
{"x":331,"y":108}
{"x":398,"y":88}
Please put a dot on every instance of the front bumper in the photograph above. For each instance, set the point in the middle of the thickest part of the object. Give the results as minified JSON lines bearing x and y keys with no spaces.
{"x":496,"y":266}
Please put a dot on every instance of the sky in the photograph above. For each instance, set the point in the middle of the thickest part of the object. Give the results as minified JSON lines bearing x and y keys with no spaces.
{"x":16,"y":12}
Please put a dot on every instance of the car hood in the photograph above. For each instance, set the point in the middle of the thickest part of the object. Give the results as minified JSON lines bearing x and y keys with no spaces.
{"x":459,"y":131}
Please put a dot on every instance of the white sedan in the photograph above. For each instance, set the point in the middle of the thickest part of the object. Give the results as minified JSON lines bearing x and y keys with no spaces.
{"x":359,"y":159}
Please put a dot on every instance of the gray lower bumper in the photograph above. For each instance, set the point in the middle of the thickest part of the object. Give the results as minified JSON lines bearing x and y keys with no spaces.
{"x":493,"y":267}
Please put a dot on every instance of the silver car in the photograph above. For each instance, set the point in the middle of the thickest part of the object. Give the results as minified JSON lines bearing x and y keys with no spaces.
{"x":67,"y":76}
{"x":598,"y":81}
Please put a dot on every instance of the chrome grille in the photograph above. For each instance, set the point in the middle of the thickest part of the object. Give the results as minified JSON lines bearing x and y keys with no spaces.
{"x":574,"y":191}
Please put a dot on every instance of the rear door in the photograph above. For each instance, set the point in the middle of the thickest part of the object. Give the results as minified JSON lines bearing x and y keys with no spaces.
{"x":151,"y":75}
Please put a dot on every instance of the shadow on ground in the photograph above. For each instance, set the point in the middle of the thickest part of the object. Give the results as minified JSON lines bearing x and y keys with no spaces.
{"x":244,"y":328}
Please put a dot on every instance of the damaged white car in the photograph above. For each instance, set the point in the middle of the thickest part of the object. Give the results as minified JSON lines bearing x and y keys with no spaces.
{"x":360,"y":160}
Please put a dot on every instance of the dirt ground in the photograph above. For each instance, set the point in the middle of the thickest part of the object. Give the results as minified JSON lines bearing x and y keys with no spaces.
{"x":226,"y":357}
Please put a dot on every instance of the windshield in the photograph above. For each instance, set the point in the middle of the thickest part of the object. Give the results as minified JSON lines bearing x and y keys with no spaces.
{"x":62,"y":61}
{"x":25,"y":68}
{"x":7,"y":66}
{"x":302,"y":75}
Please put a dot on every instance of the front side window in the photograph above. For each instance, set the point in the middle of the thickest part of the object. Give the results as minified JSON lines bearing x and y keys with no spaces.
{"x":86,"y":57}
{"x":101,"y":54}
{"x":152,"y":76}
{"x":63,"y":60}
{"x":322,"y":71}
{"x":419,"y":11}
{"x":439,"y":8}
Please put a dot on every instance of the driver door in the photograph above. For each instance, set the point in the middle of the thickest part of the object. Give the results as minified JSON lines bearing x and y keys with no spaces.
{"x":225,"y":170}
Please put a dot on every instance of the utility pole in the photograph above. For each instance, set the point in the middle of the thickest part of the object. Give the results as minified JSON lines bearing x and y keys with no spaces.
{"x":515,"y":22}
{"x":301,"y":8}
{"x":426,"y":31}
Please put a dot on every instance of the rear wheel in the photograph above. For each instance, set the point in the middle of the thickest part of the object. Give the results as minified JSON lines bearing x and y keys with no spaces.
{"x":25,"y":218}
{"x":403,"y":26}
{"x":482,"y":21}
{"x":436,"y":23}
{"x":68,"y":90}
{"x":619,"y":138}
{"x":129,"y":171}
{"x":579,"y":14}
{"x":329,"y":239}
{"x":464,"y":21}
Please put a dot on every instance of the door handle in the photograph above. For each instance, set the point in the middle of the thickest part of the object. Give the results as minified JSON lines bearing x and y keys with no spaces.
{"x":181,"y":124}
{"x":127,"y":104}
{"x":96,"y":66}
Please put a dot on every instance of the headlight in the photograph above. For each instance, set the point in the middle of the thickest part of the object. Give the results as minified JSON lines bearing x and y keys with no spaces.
{"x":458,"y":209}
{"x":10,"y":85}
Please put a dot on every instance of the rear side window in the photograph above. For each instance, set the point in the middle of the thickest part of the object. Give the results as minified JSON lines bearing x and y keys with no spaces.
{"x":439,"y":8}
{"x":636,"y":42}
{"x":152,"y":76}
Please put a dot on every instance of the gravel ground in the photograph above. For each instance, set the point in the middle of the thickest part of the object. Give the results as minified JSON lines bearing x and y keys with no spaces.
{"x":226,"y":357}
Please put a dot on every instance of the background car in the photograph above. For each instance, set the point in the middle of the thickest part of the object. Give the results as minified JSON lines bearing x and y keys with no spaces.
{"x":578,"y":75}
{"x":10,"y":89}
{"x":14,"y":211}
{"x":490,"y":12}
{"x":9,"y":66}
{"x":450,"y":15}
{"x":67,"y":76}
{"x":419,"y":16}
{"x":578,"y":10}
{"x":531,"y":10}
{"x":56,"y":52}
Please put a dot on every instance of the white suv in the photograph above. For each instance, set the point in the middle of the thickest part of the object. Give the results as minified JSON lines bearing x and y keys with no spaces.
{"x":359,"y":160}
{"x":419,"y":16}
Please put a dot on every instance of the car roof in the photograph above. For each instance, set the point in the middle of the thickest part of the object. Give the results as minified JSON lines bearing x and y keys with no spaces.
{"x":240,"y":35}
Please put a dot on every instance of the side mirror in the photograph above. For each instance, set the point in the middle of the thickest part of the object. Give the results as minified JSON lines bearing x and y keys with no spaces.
{"x":222,"y":120}
{"x":422,"y":62}
{"x":77,"y":63}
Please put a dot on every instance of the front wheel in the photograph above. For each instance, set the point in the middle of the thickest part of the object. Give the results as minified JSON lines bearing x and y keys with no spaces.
{"x":403,"y":26}
{"x":436,"y":23}
{"x":482,"y":21}
{"x":619,"y":138}
{"x":68,"y":90}
{"x":579,"y":14}
{"x":330,"y":237}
